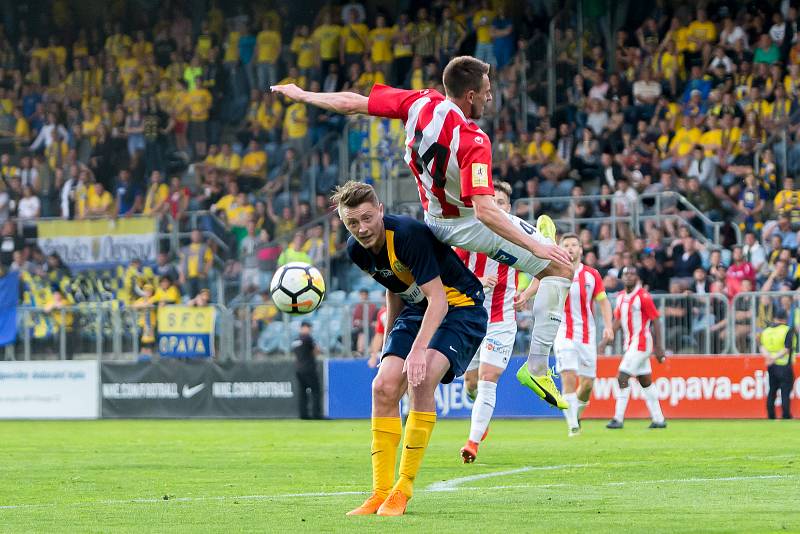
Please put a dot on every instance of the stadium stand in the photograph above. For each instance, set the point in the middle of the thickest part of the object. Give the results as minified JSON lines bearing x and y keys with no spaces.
{"x":668,"y":140}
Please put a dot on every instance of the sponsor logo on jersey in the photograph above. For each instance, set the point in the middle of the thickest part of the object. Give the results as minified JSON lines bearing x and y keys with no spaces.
{"x":479,"y":139}
{"x":480,"y":175}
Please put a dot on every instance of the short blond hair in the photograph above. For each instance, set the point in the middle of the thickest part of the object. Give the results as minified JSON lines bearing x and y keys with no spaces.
{"x":503,"y":187}
{"x":353,"y":194}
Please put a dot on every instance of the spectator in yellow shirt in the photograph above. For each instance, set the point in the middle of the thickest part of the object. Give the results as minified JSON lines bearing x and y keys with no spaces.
{"x":354,"y":39}
{"x":228,"y":160}
{"x":167,"y":292}
{"x":295,"y":126}
{"x":482,"y":23}
{"x":304,"y":51}
{"x":327,"y":37}
{"x":100,"y":203}
{"x":253,"y":172}
{"x":199,"y":101}
{"x":701,"y":34}
{"x":787,"y":201}
{"x":369,"y":77}
{"x":196,"y":260}
{"x":146,"y":309}
{"x":540,"y":151}
{"x":155,"y":201}
{"x":380,"y":45}
{"x":268,"y":49}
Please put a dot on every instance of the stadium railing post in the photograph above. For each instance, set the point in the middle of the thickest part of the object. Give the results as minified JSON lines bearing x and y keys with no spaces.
{"x":26,"y":337}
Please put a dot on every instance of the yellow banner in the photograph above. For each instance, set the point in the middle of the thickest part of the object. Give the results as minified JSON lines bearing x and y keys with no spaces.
{"x":186,"y":320}
{"x":96,"y":227}
{"x":100,"y":241}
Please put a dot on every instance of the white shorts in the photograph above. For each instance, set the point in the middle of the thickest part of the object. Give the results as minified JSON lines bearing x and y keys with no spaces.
{"x":497,"y":346}
{"x":471,"y":234}
{"x":575,"y":356}
{"x":636,"y":362}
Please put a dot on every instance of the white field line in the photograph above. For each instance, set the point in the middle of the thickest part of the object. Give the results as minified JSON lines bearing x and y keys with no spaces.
{"x":454,"y":483}
{"x":448,"y":485}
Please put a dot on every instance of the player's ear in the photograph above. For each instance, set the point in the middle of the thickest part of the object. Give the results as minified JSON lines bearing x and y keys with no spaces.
{"x":380,"y":209}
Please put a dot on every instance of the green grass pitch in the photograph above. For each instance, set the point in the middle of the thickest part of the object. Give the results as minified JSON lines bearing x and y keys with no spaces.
{"x":293,"y":476}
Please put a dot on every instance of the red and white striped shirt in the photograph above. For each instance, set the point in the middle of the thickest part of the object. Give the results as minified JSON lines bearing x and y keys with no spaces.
{"x":449,"y":155}
{"x":499,"y":301}
{"x":635,"y":310}
{"x":579,"y":322}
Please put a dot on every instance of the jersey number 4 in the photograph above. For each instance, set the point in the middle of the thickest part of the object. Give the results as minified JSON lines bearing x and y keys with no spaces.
{"x":436,"y":152}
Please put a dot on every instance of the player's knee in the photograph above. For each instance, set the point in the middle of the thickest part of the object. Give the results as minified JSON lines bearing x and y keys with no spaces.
{"x":622,"y":380}
{"x":490,"y":375}
{"x":386,"y":391}
{"x":645,"y":380}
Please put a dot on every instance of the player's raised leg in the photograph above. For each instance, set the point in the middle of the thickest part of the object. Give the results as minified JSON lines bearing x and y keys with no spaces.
{"x":419,"y":427}
{"x":388,"y":387}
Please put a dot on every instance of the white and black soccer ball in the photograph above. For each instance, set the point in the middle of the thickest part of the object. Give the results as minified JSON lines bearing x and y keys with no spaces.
{"x":297,"y":288}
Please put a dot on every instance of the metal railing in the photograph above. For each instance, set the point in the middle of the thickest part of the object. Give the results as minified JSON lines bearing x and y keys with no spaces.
{"x":752,"y":312}
{"x":690,"y":324}
{"x":636,"y":213}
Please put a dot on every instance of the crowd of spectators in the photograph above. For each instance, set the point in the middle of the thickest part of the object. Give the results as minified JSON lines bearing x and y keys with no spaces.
{"x":168,"y":113}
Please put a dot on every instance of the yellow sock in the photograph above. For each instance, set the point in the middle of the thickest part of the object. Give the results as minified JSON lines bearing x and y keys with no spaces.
{"x":419,"y":428}
{"x":385,"y":439}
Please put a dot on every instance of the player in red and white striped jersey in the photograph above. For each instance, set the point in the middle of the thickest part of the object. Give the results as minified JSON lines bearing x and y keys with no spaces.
{"x":501,"y":302}
{"x":635,"y":313}
{"x":451,"y":159}
{"x":576,"y":345}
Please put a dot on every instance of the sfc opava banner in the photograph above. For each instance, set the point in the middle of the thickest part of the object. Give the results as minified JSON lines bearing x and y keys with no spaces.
{"x":186,"y":331}
{"x":88,"y":243}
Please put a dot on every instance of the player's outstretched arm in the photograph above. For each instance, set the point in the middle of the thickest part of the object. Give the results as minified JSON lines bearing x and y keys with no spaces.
{"x":487,"y":211}
{"x":416,"y":363}
{"x":342,"y":102}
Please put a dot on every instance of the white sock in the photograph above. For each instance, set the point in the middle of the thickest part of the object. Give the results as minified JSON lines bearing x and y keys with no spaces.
{"x":622,"y":403}
{"x":548,"y":309}
{"x":482,"y":409}
{"x":581,"y":406}
{"x":571,"y":413}
{"x":651,"y":399}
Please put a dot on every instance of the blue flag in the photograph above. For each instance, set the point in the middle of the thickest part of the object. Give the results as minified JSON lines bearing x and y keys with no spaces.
{"x":9,"y":295}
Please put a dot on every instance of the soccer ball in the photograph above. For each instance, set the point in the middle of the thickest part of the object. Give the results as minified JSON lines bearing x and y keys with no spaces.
{"x":297,"y":288}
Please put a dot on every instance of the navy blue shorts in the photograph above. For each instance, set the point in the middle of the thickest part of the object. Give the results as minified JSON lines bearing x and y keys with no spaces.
{"x":458,"y":337}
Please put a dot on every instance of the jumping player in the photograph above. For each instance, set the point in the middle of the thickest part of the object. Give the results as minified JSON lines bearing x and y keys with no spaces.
{"x":635,"y":312}
{"x":501,"y":300}
{"x":451,"y":159}
{"x":436,"y":322}
{"x":576,"y":346}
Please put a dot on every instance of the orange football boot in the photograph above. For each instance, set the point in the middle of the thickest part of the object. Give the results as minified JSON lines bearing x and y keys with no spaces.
{"x":394,"y":505}
{"x":370,"y":506}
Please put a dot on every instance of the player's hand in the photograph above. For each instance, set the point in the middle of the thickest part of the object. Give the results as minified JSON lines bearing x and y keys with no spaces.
{"x":414,"y":367}
{"x":608,"y":335}
{"x":660,"y":356}
{"x":288,"y":90}
{"x":552,"y":253}
{"x":520,"y":300}
{"x":488,"y":282}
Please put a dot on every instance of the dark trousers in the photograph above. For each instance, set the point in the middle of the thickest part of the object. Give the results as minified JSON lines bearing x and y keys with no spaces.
{"x":781,"y":377}
{"x":310,"y":392}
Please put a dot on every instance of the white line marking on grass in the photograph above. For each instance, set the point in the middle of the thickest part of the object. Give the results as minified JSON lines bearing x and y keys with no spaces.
{"x":444,"y":486}
{"x":632,"y":482}
{"x":454,"y":483}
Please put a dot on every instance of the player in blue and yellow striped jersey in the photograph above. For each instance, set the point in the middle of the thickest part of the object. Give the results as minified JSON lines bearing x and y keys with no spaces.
{"x":436,"y":322}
